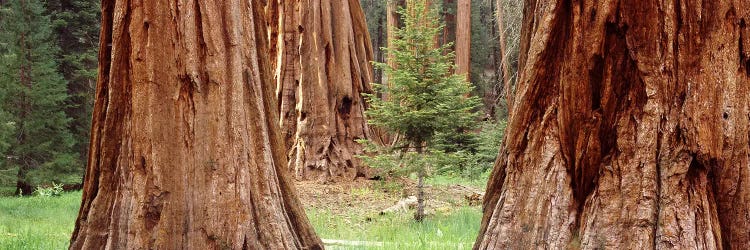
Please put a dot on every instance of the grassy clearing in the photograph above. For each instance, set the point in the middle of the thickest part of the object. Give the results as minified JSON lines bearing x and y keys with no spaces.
{"x":446,"y":180}
{"x":453,"y":230}
{"x":38,"y":222}
{"x":338,"y":212}
{"x":7,"y":191}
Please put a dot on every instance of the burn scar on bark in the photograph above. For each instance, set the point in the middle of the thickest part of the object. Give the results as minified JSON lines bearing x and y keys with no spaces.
{"x":153,"y":209}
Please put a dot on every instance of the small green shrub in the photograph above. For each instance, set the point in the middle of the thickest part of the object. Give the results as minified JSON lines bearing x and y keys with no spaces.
{"x":474,"y":159}
{"x":388,"y":186}
{"x":56,"y":189}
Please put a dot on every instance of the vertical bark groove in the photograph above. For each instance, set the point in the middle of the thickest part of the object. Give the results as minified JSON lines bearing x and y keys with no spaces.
{"x":463,"y":38}
{"x":323,"y":64}
{"x":184,"y":136}
{"x":628,"y":129}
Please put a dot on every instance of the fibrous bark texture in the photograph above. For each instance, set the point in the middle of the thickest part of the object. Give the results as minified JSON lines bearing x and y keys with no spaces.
{"x":323,"y":64}
{"x":629,"y":129}
{"x":463,"y":37}
{"x":185,"y":150}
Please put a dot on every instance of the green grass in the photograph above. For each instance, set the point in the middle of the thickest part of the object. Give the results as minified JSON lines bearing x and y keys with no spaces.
{"x":36,"y":222}
{"x":399,"y":231}
{"x":479,"y":182}
{"x":47,"y":222}
{"x":7,"y":190}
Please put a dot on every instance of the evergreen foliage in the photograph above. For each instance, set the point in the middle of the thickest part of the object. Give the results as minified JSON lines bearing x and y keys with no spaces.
{"x":474,"y":157}
{"x":484,"y":43}
{"x":425,"y":99}
{"x":33,"y":95}
{"x":7,"y":129}
{"x":375,"y":15}
{"x":76,"y":24}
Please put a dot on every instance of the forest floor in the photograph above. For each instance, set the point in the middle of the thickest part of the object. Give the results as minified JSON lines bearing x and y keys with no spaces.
{"x":343,"y":214}
{"x":369,"y":198}
{"x":349,"y":214}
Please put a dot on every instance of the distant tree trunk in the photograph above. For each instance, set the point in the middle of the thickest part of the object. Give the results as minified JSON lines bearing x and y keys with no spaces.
{"x":449,"y":32}
{"x":377,"y":51}
{"x":392,"y":24}
{"x":463,"y":38}
{"x":24,"y":160}
{"x":376,"y":16}
{"x":629,"y":129}
{"x":22,"y":186}
{"x":504,"y":67}
{"x":185,"y":150}
{"x":324,"y":66}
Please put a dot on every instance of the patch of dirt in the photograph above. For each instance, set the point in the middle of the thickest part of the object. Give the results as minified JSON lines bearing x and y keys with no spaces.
{"x":368,"y":197}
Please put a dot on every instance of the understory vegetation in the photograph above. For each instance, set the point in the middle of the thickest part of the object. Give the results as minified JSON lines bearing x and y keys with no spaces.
{"x":446,"y":128}
{"x":38,"y":222}
{"x":46,"y":222}
{"x":454,"y":230}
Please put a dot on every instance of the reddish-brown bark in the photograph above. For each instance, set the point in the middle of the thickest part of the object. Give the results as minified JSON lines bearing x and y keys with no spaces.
{"x":185,"y":149}
{"x":463,"y":38}
{"x":629,"y":129}
{"x":324,"y":54}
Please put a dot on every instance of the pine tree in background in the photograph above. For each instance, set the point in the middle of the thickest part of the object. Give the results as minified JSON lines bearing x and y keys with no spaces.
{"x":7,"y":129}
{"x":375,"y":15}
{"x":34,"y":95}
{"x":425,"y":98}
{"x":76,"y":25}
{"x":483,"y":47}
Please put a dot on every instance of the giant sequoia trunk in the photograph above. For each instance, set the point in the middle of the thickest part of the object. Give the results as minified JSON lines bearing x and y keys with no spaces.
{"x":629,"y":129}
{"x":463,"y":38}
{"x":323,"y":64}
{"x":185,"y":149}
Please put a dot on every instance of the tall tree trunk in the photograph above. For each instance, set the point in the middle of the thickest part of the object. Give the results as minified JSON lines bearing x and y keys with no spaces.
{"x":629,"y":129}
{"x":324,"y":66}
{"x":185,"y":150}
{"x":22,"y":186}
{"x":23,"y":158}
{"x":449,"y":17}
{"x":377,"y":51}
{"x":376,"y":16}
{"x":392,"y":23}
{"x":463,"y":38}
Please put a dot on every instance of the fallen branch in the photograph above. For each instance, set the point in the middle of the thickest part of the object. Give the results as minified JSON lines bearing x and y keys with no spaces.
{"x":403,"y":204}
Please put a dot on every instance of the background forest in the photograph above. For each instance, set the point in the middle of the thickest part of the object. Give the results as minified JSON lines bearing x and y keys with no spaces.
{"x":48,"y":70}
{"x":369,"y":124}
{"x":48,"y":77}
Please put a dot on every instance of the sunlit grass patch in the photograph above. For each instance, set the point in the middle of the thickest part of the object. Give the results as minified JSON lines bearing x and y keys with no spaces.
{"x":455,"y":230}
{"x":37,"y":222}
